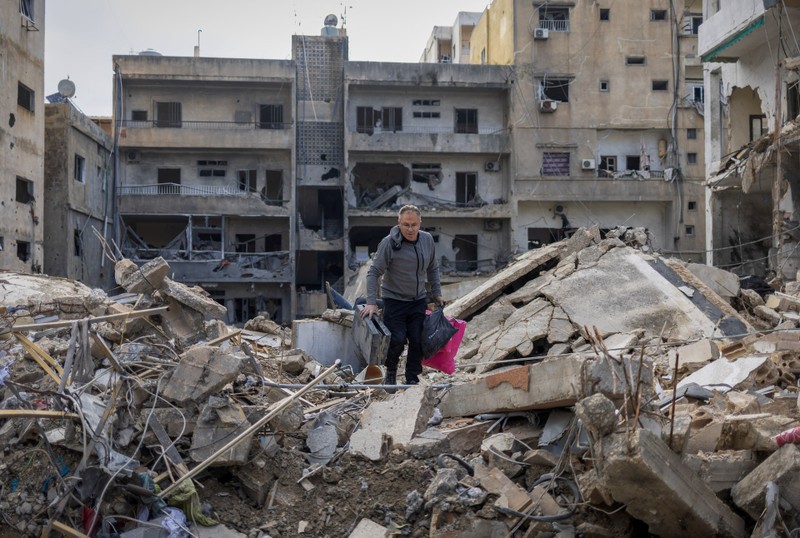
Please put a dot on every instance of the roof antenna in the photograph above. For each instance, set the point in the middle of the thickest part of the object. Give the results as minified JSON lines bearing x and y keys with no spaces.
{"x":197,"y":47}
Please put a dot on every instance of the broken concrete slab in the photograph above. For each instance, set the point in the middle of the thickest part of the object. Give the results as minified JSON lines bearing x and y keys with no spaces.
{"x":195,"y":298}
{"x":367,"y":528}
{"x":640,"y":471}
{"x":723,"y":375}
{"x":722,"y":470}
{"x":326,"y":342}
{"x":220,"y":421}
{"x":783,"y":468}
{"x":183,"y":325}
{"x":202,"y":371}
{"x":145,"y":279}
{"x":753,"y":432}
{"x":724,"y":283}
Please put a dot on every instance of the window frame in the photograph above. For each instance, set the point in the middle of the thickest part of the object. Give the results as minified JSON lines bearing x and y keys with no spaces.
{"x":79,"y":168}
{"x":26,"y":246}
{"x":270,"y":116}
{"x":659,"y":85}
{"x":27,"y":8}
{"x":691,"y":157}
{"x":26,"y":97}
{"x":691,"y":133}
{"x":606,"y":83}
{"x":465,"y":121}
{"x":607,"y":13}
{"x":174,"y":114}
{"x":466,"y":184}
{"x":658,"y":15}
{"x":635,"y":61}
{"x":604,"y":170}
{"x":24,"y":191}
{"x":556,"y":167}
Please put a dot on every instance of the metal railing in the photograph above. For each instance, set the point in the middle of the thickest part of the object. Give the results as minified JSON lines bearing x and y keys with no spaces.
{"x":182,"y":190}
{"x":423,"y":130}
{"x":210,"y":125}
{"x":554,"y":26}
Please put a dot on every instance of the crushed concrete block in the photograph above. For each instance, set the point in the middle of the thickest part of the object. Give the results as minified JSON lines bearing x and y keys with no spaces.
{"x":541,"y":457}
{"x":217,"y":531}
{"x":621,"y":344}
{"x":641,"y":472}
{"x":561,"y":328}
{"x":256,"y":481}
{"x":753,"y":432}
{"x":495,"y":482}
{"x":123,"y":270}
{"x":783,"y":468}
{"x":147,"y":278}
{"x":692,"y":356}
{"x":220,"y":421}
{"x":597,"y":413}
{"x":465,"y":438}
{"x":372,"y":445}
{"x":768,"y":314}
{"x":705,"y":439}
{"x":292,"y":361}
{"x":124,"y":326}
{"x":183,"y":325}
{"x":443,"y":484}
{"x":741,"y":403}
{"x":367,"y":528}
{"x":593,"y":490}
{"x":750,"y":298}
{"x":722,"y":470}
{"x":202,"y":371}
{"x":262,"y":324}
{"x":722,"y":282}
{"x":428,"y":444}
{"x":194,"y":297}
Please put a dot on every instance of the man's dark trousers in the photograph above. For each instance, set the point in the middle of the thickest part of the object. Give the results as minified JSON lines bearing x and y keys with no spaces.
{"x":404,"y":319}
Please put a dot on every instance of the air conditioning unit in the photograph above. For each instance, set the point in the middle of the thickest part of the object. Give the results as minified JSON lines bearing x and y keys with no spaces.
{"x":134,"y":156}
{"x":541,"y":33}
{"x":492,"y":166}
{"x":548,"y":105}
{"x":587,"y":164}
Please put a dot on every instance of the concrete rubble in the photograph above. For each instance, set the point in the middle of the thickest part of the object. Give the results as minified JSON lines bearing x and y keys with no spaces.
{"x":601,"y":390}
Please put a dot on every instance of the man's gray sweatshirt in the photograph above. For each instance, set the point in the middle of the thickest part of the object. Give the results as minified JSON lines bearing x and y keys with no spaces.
{"x":404,"y":267}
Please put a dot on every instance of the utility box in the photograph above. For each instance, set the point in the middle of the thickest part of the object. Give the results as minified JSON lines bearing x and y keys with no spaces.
{"x":370,"y":337}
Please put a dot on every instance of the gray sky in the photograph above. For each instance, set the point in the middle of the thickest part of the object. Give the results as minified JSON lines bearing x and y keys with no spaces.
{"x":82,"y":35}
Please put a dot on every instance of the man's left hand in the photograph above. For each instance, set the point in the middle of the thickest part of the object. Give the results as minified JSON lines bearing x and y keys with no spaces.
{"x":439,"y":300}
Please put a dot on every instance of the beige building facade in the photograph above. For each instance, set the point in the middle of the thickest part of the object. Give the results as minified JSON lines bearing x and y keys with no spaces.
{"x":22,"y":193}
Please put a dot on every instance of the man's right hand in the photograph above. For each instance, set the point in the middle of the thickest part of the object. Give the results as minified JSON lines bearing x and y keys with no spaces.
{"x":369,"y":310}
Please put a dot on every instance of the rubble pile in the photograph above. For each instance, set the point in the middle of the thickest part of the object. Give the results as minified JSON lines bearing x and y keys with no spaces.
{"x":601,"y":390}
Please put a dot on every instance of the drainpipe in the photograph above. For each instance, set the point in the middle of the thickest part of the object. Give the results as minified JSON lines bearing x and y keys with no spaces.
{"x":115,"y":176}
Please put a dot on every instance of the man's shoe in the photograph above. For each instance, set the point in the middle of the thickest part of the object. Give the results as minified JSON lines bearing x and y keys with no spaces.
{"x":412,"y":380}
{"x":391,"y":379}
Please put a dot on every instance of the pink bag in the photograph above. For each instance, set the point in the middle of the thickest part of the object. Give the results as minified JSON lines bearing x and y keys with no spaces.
{"x":445,"y":359}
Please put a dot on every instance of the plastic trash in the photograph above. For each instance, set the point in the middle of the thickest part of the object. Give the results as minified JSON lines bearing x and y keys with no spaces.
{"x":436,"y":332}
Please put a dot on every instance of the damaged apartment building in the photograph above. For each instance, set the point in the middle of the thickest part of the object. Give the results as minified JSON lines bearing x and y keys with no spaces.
{"x":752,"y":59}
{"x":263,"y":179}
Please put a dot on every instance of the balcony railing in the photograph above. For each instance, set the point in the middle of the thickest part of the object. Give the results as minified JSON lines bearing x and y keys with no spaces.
{"x":555,"y":26}
{"x":209,"y":125}
{"x":423,"y":130}
{"x":183,"y":190}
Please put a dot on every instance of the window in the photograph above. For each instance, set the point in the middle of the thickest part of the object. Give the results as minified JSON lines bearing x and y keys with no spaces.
{"x":691,"y":158}
{"x":555,"y":19}
{"x":691,"y":205}
{"x":697,"y":92}
{"x":26,"y":8}
{"x":605,"y":14}
{"x":556,"y":89}
{"x":483,"y":56}
{"x":689,"y":231}
{"x":370,"y":120}
{"x":634,"y":60}
{"x":211,"y":168}
{"x":272,"y":193}
{"x":658,"y":14}
{"x":247,"y":180}
{"x":245,"y":243}
{"x":426,"y":102}
{"x":168,"y":114}
{"x":2,"y":243}
{"x":77,"y":243}
{"x":758,"y":127}
{"x":792,"y":99}
{"x":429,"y":173}
{"x":608,"y":165}
{"x":466,"y":121}
{"x":79,"y":173}
{"x":138,"y":115}
{"x":270,"y":117}
{"x":466,"y":183}
{"x":427,"y":114}
{"x":465,"y":248}
{"x":633,"y":162}
{"x":25,"y":97}
{"x":23,"y":250}
{"x":691,"y":23}
{"x":24,"y":190}
{"x":391,"y":119}
{"x":691,"y":133}
{"x":659,"y":85}
{"x":604,"y":85}
{"x":555,"y":164}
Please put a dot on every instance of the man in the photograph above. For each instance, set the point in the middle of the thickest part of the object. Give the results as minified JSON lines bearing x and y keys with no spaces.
{"x":405,"y":259}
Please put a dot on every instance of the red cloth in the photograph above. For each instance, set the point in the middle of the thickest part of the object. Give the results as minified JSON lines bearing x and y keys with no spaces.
{"x":445,"y":358}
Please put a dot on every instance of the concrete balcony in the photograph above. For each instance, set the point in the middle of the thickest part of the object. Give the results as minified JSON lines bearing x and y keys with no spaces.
{"x":739,"y":28}
{"x":250,"y":267}
{"x":489,"y":211}
{"x":594,"y":190}
{"x":206,"y":134}
{"x":432,"y":140}
{"x":171,"y":198}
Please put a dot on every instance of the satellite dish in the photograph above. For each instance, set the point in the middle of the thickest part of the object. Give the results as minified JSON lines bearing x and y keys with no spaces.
{"x":66,"y":88}
{"x":331,"y":20}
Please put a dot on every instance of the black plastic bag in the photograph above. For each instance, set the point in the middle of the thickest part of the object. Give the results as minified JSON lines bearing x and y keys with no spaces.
{"x":437,"y":330}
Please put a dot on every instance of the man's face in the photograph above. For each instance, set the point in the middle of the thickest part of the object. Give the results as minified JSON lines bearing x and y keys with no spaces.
{"x":409,"y":223}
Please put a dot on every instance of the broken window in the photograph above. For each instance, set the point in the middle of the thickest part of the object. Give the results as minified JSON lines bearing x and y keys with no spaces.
{"x":556,"y":89}
{"x":696,"y":91}
{"x":430,"y":173}
{"x":632,"y":162}
{"x":248,"y":180}
{"x":758,"y":126}
{"x":77,"y":243}
{"x":369,"y":120}
{"x":169,"y":180}
{"x":555,"y":19}
{"x":244,"y":309}
{"x":658,"y":14}
{"x":26,"y":8}
{"x":634,"y":60}
{"x":25,"y":97}
{"x":23,"y":250}
{"x":245,"y":243}
{"x":168,"y":114}
{"x":465,"y":248}
{"x":539,"y":237}
{"x":605,"y":14}
{"x":466,"y":187}
{"x":79,"y":168}
{"x":691,"y":134}
{"x":659,"y":85}
{"x":24,"y":193}
{"x":691,"y":205}
{"x":272,"y":193}
{"x":691,"y":23}
{"x":270,"y":117}
{"x":139,"y":115}
{"x":793,"y":99}
{"x":466,"y":121}
{"x":555,"y":163}
{"x":273,"y":243}
{"x":608,"y":165}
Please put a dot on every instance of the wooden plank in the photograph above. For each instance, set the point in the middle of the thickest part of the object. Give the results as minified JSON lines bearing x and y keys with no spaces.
{"x":33,"y":413}
{"x":133,"y":314}
{"x":489,"y":290}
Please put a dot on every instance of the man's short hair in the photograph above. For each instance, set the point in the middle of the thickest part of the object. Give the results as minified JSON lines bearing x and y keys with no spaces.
{"x":409,"y":209}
